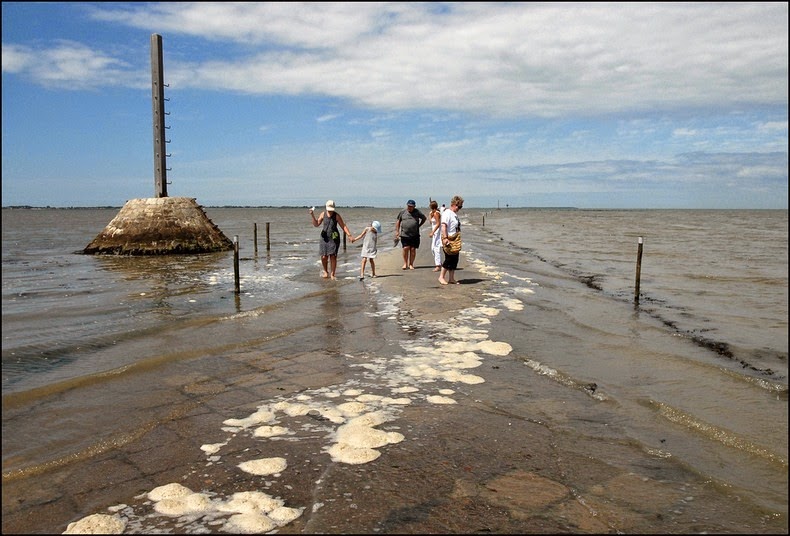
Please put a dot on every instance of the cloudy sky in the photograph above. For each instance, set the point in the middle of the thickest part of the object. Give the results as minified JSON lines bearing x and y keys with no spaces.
{"x":590,"y":105}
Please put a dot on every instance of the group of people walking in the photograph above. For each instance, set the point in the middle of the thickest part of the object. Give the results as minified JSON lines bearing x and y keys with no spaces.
{"x":445,"y":238}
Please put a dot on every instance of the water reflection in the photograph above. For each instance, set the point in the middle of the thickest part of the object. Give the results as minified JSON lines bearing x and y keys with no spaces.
{"x":169,"y":277}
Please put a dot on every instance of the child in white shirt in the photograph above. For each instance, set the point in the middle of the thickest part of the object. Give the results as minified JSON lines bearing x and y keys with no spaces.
{"x":369,"y":249}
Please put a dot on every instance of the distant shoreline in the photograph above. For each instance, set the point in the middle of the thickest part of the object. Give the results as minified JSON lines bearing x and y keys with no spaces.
{"x":491,"y":209}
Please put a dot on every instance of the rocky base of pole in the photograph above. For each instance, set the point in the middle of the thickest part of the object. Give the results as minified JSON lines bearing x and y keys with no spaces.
{"x":159,"y":226}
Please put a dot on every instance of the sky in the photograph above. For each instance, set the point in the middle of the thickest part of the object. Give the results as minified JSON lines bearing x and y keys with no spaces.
{"x":587,"y":105}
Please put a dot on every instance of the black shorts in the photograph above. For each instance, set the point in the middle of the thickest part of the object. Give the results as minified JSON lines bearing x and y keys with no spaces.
{"x":410,"y":241}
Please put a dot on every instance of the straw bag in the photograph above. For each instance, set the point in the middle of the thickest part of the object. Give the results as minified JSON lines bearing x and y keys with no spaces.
{"x":453,"y":245}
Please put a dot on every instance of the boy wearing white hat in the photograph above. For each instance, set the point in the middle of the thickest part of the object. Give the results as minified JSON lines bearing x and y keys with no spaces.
{"x":369,"y":247}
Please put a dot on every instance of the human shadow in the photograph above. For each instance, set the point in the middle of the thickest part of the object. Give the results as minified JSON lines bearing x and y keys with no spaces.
{"x":470,"y":281}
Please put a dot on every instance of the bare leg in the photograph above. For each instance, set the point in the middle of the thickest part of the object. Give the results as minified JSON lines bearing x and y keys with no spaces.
{"x":373,"y":267}
{"x":412,"y":256}
{"x":406,"y":250}
{"x":325,"y":273}
{"x":443,"y":273}
{"x":333,"y":265}
{"x":362,"y":269}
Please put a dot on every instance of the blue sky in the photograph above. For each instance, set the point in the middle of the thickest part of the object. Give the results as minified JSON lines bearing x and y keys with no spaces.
{"x":590,"y":105}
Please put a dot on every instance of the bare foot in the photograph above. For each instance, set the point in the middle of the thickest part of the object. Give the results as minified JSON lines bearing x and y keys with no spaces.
{"x":437,"y":269}
{"x":324,"y":275}
{"x":411,"y":267}
{"x":442,"y":281}
{"x":334,"y":278}
{"x":454,"y":282}
{"x":405,"y":267}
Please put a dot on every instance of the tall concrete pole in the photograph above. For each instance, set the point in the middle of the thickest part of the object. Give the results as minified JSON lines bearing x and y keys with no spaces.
{"x":158,"y":105}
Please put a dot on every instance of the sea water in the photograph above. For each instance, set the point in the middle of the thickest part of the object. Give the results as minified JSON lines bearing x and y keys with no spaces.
{"x":697,"y":369}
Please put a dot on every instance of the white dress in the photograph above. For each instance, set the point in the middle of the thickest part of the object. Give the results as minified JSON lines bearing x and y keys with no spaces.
{"x":436,"y":244}
{"x":369,"y":243}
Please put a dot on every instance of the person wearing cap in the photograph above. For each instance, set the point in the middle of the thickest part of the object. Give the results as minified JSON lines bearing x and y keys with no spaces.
{"x":329,"y":243}
{"x":369,"y":247}
{"x":407,"y":229}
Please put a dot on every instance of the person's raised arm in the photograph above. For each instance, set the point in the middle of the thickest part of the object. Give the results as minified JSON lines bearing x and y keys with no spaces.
{"x":316,"y":222}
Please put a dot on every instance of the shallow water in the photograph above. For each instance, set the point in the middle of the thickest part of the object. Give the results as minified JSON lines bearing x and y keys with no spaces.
{"x":696,"y":375}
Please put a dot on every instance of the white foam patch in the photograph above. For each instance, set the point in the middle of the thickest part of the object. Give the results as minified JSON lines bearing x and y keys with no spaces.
{"x":97,"y":524}
{"x":255,"y":523}
{"x":362,"y":436}
{"x":446,"y":392}
{"x":495,"y":348}
{"x":334,"y":415}
{"x":405,"y":389}
{"x":352,"y":408}
{"x":284,"y":514}
{"x":263,"y":415}
{"x":513,"y":304}
{"x":465,"y":333}
{"x":436,"y":399}
{"x":246,"y":502}
{"x":344,"y":453}
{"x":188,"y":504}
{"x":421,"y":370}
{"x":462,"y":361}
{"x":212,"y":448}
{"x":265,"y":466}
{"x":294,"y":410}
{"x":168,"y":491}
{"x":270,"y":431}
{"x":455,"y":376}
{"x":374,"y":418}
{"x":369,"y":398}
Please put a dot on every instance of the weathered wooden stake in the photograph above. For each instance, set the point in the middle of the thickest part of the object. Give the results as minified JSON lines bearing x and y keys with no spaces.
{"x":158,"y":106}
{"x":236,"y":263}
{"x":255,"y":238}
{"x":268,"y":244}
{"x":638,"y":271}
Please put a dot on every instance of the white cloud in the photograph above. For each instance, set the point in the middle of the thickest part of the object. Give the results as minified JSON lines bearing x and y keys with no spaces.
{"x":327,"y":117}
{"x":772,"y":126}
{"x":684,"y":132}
{"x":498,"y":59}
{"x":70,"y":65}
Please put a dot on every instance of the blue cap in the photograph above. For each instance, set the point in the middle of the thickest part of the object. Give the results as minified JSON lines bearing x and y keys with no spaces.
{"x":377,"y":226}
{"x":411,"y":203}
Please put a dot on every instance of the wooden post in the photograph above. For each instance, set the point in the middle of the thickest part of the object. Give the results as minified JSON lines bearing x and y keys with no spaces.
{"x":638,"y":271}
{"x":158,"y":106}
{"x":268,"y":245}
{"x":255,"y":238}
{"x":236,"y":263}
